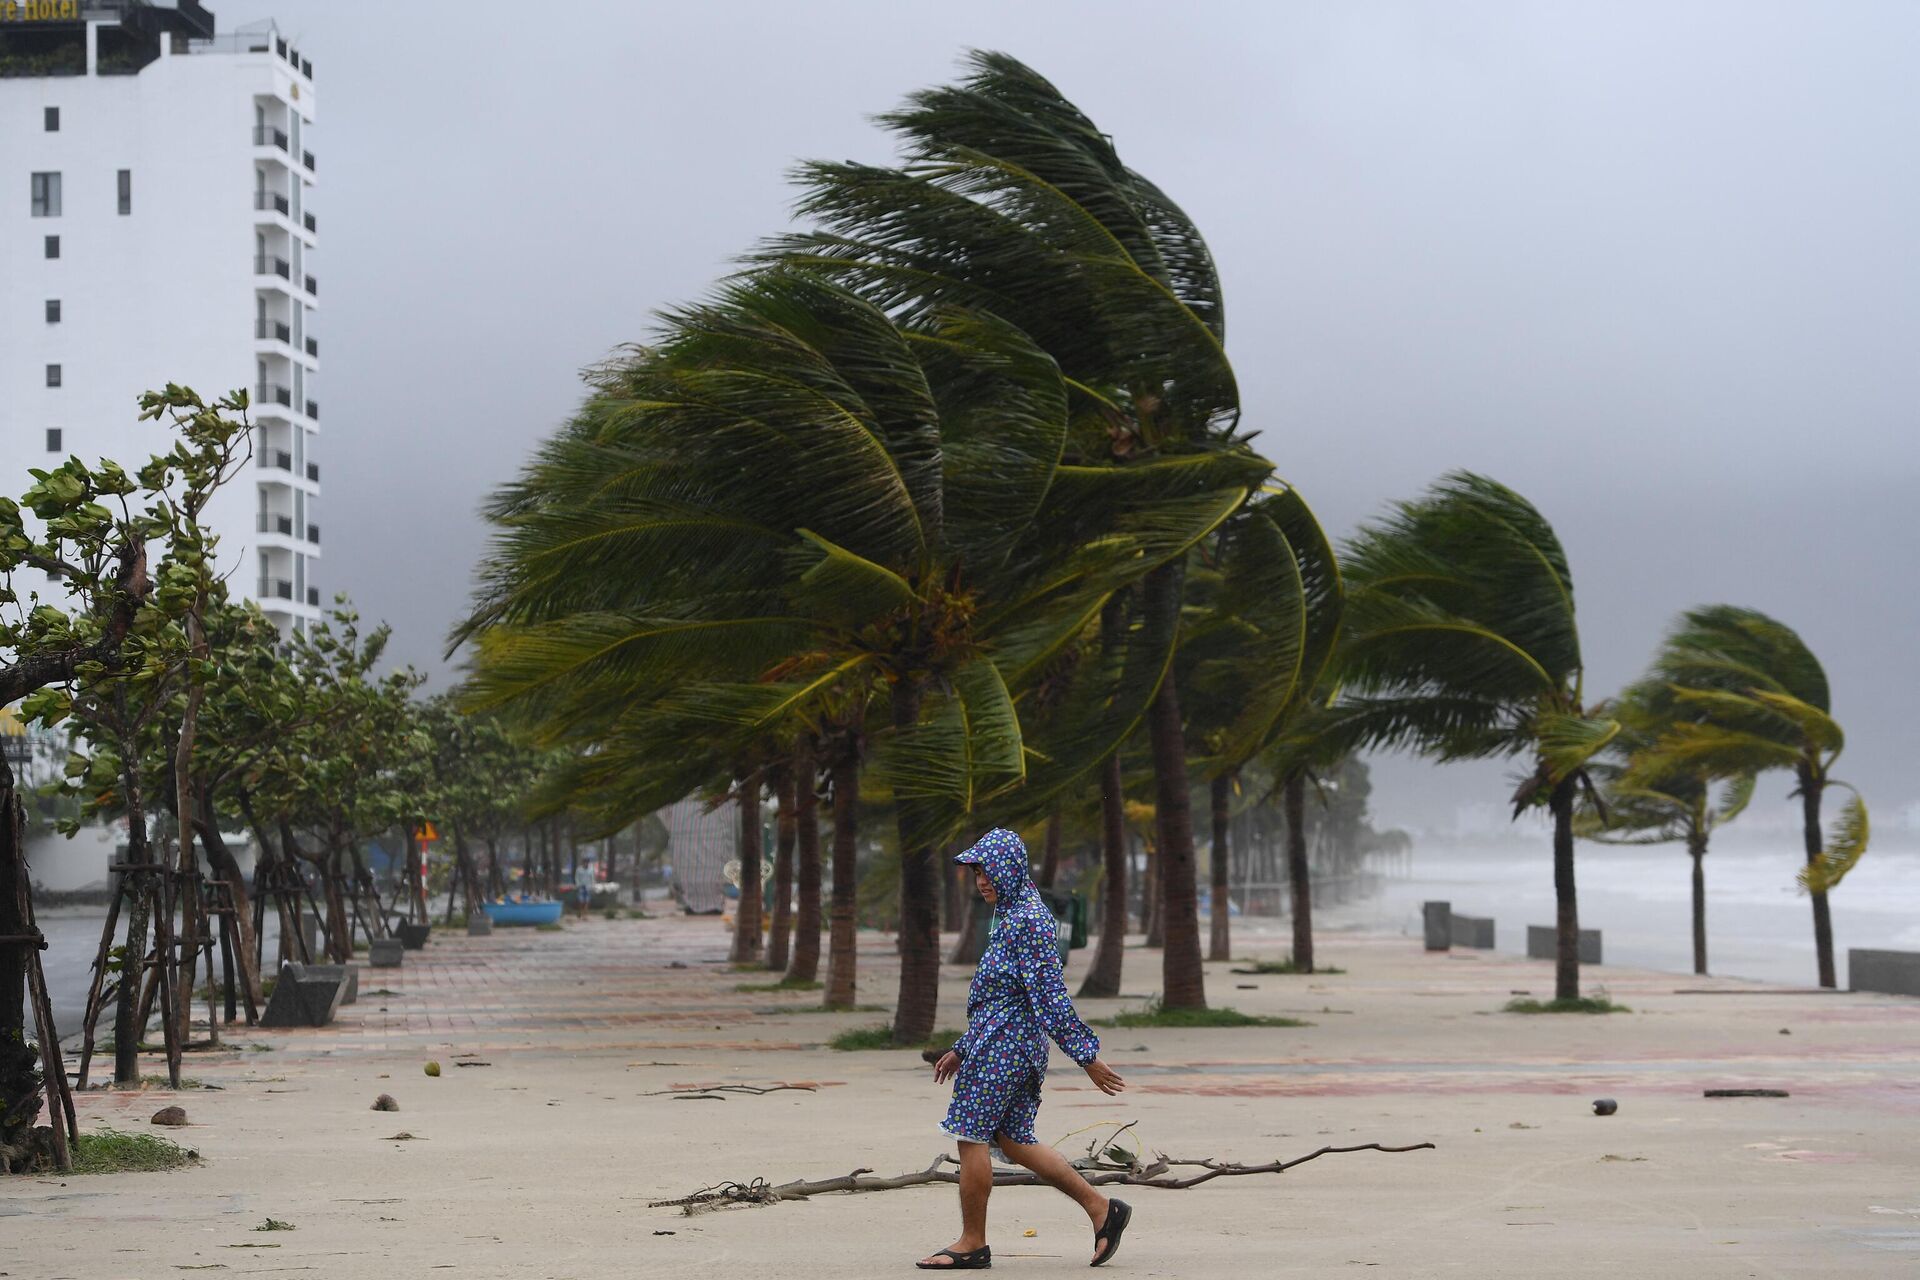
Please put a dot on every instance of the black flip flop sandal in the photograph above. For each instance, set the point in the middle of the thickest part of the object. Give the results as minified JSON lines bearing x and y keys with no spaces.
{"x":979,"y":1260}
{"x":1119,"y":1214}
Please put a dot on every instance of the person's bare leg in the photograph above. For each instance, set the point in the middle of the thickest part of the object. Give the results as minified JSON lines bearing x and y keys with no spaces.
{"x":1052,"y":1168}
{"x":976,"y":1184}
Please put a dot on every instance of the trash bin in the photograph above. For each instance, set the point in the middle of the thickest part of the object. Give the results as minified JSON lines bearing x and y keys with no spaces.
{"x":1062,"y":907}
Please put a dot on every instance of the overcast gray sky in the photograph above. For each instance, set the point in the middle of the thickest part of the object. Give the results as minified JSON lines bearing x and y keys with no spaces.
{"x":1656,"y":266}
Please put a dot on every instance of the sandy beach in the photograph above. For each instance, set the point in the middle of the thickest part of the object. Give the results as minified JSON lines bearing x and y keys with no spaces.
{"x":539,"y":1158}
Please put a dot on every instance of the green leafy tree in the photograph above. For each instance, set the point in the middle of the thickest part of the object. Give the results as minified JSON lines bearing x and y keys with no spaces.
{"x":1460,"y":641}
{"x":114,"y":629}
{"x":1748,"y":696}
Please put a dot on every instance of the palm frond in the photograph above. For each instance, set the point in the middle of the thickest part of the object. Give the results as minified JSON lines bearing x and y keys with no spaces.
{"x":1846,"y":843}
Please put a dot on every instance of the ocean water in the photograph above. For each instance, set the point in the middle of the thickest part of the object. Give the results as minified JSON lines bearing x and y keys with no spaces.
{"x":1759,"y":925}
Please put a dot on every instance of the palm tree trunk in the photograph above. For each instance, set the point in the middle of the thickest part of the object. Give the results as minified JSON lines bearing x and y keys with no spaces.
{"x":919,"y":1000}
{"x":1103,"y":975}
{"x":1811,"y":789}
{"x":1183,"y":981}
{"x":746,"y":920}
{"x":1050,"y":855}
{"x":1220,"y":939}
{"x":846,"y":830}
{"x":1152,"y":902}
{"x":1697,"y":848}
{"x":786,"y":828}
{"x":1299,"y":874}
{"x":806,"y":812}
{"x":1566,"y":972}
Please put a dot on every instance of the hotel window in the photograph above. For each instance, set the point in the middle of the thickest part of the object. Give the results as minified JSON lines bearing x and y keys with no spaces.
{"x":46,"y":195}
{"x":53,"y":246}
{"x":53,"y":439}
{"x":126,"y":192}
{"x":53,"y":311}
{"x":53,"y":119}
{"x":53,"y":375}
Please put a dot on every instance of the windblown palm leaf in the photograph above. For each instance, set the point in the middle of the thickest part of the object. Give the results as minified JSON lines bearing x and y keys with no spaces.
{"x":1746,"y":694}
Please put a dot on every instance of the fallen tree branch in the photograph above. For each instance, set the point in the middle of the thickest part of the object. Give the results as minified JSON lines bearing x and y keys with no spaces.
{"x":712,"y":1089}
{"x":1098,"y":1171}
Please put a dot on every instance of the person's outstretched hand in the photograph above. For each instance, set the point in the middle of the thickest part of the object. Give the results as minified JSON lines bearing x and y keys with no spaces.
{"x":944,"y":1069}
{"x":1104,"y":1077}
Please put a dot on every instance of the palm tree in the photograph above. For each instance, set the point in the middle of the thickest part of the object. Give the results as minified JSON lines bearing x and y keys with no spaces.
{"x":1748,"y":695}
{"x":1270,"y":609}
{"x":1011,"y":201}
{"x":1460,"y":641}
{"x":1650,"y":799}
{"x":891,"y":519}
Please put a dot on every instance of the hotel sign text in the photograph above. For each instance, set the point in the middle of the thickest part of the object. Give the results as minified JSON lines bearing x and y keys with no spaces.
{"x":39,"y":10}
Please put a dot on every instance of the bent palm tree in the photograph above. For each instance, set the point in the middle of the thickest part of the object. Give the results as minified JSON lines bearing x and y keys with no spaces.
{"x":1269,"y":622}
{"x":1010,"y":201}
{"x":1748,"y":696}
{"x":879,"y":511}
{"x":1461,"y":642}
{"x":1653,"y":800}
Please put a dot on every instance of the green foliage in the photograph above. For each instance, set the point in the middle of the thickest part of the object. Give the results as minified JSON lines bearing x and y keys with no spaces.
{"x":1739,"y":693}
{"x":881,"y":1037}
{"x":1846,"y":842}
{"x":1579,"y":1004}
{"x":110,"y":1151}
{"x":1153,"y":1014}
{"x":1266,"y":967}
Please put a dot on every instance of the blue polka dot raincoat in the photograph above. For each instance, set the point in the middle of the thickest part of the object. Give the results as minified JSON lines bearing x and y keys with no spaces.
{"x":1018,"y":999}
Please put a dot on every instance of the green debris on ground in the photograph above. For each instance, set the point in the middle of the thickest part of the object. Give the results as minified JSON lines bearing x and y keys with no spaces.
{"x":1580,"y":1004}
{"x":785,"y":984}
{"x":881,"y":1037}
{"x":1263,"y":967}
{"x":1155,"y":1014}
{"x":111,"y":1151}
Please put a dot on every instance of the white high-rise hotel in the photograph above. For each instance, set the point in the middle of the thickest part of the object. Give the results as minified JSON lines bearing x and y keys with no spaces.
{"x":156,"y":225}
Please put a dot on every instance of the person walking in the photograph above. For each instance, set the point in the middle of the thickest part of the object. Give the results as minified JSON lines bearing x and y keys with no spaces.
{"x":1018,"y":999}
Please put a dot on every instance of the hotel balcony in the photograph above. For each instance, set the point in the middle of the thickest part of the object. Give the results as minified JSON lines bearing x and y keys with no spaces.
{"x":277,"y":470}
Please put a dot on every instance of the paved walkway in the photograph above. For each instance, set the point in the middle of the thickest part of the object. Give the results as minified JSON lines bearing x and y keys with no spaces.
{"x":540,"y":1163}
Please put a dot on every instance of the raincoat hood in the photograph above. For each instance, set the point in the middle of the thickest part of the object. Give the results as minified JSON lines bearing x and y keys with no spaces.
{"x":1003,"y":857}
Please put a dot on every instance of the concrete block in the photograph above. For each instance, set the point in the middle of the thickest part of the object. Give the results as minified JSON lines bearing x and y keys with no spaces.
{"x":1543,"y":943}
{"x":303,"y":998}
{"x":385,"y":953}
{"x":1894,"y":973}
{"x":1438,"y":919}
{"x":1473,"y":931}
{"x":347,"y":973}
{"x":479,"y":925}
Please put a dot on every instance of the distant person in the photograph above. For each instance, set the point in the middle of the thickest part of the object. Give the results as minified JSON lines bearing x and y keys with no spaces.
{"x":1017,"y":1000}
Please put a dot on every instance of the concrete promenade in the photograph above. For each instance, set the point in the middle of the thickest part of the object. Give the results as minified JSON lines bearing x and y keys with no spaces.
{"x":541,"y":1162}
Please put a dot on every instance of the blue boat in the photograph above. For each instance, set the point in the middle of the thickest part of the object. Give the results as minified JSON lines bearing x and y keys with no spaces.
{"x":523,"y":911}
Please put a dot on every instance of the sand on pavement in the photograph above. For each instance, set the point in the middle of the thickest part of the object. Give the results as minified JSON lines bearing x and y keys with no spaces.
{"x":542,"y":1162}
